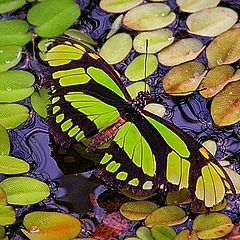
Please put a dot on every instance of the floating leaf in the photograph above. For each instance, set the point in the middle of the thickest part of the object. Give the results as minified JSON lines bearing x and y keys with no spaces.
{"x":14,"y":32}
{"x":13,"y":165}
{"x":212,"y":225}
{"x":2,"y":233}
{"x":136,"y":87}
{"x":113,"y":54}
{"x":156,"y":109}
{"x":184,"y":79}
{"x":40,"y":101}
{"x":15,"y":85}
{"x":168,"y":215}
{"x":3,"y":197}
{"x":115,"y":26}
{"x":211,"y":21}
{"x":235,"y":178}
{"x":224,"y":49}
{"x":9,"y":5}
{"x":157,"y":40}
{"x":161,"y":232}
{"x":137,"y":210}
{"x":116,"y":6}
{"x":47,"y":15}
{"x":13,"y":115}
{"x":24,"y":190}
{"x":196,"y":5}
{"x":181,"y":51}
{"x":149,"y":16}
{"x":178,"y":197}
{"x":50,"y":226}
{"x":7,"y":215}
{"x":135,"y":71}
{"x":5,"y":142}
{"x":80,"y":36}
{"x":186,"y":235}
{"x":236,"y":76}
{"x":10,"y":56}
{"x":215,"y":80}
{"x":144,"y":233}
{"x":211,"y":146}
{"x":226,"y":104}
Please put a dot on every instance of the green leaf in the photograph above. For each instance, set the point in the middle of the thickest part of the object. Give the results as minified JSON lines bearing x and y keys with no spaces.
{"x":7,"y":215}
{"x":161,"y":232}
{"x":24,"y":190}
{"x":15,"y":85}
{"x":13,"y":165}
{"x":10,"y":56}
{"x":80,"y":36}
{"x":144,"y":233}
{"x":50,"y":226}
{"x":14,"y":32}
{"x":9,"y":5}
{"x":52,"y":18}
{"x":13,"y":115}
{"x":39,"y":101}
{"x":3,"y":197}
{"x":5,"y":142}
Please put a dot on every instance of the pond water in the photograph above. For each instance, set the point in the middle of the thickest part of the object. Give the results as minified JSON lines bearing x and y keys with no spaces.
{"x":77,"y":193}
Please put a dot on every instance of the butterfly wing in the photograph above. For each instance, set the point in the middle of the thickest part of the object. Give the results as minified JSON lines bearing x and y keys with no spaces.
{"x":148,"y":153}
{"x":86,"y":94}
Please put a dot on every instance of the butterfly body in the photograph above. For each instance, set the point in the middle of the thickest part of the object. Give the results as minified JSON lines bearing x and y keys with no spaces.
{"x":145,"y":152}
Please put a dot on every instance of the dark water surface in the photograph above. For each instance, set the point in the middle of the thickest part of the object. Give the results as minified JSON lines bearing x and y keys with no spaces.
{"x":77,"y":194}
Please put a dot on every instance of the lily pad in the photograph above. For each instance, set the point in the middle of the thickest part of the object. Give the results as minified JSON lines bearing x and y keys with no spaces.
{"x":9,"y":5}
{"x":196,"y":5}
{"x":178,"y":197}
{"x":3,"y":197}
{"x":115,"y":26}
{"x":181,"y":51}
{"x":235,"y":178}
{"x":168,"y":215}
{"x":212,"y":225}
{"x":161,"y":232}
{"x":224,"y":49}
{"x":186,"y":235}
{"x":157,"y":40}
{"x":50,"y":226}
{"x":136,"y":87}
{"x":226,"y":104}
{"x":116,"y":48}
{"x":13,"y":115}
{"x":156,"y":109}
{"x":80,"y":36}
{"x":211,"y":21}
{"x":40,"y":101}
{"x":184,"y":79}
{"x":215,"y":80}
{"x":211,"y":146}
{"x":118,"y":6}
{"x":137,"y":210}
{"x":5,"y":141}
{"x":15,"y":85}
{"x":149,"y":16}
{"x":24,"y":190}
{"x":144,"y":233}
{"x":7,"y":215}
{"x":14,"y":32}
{"x":13,"y":165}
{"x":47,"y":15}
{"x":135,"y":71}
{"x":10,"y":56}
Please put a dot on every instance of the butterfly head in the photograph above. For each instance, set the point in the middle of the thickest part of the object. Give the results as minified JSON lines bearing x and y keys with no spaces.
{"x":143,"y":98}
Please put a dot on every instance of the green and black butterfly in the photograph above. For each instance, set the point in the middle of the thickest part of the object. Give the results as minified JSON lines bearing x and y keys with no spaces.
{"x":90,"y":104}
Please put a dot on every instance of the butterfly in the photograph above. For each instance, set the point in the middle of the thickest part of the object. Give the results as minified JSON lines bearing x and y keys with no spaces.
{"x":142,"y":152}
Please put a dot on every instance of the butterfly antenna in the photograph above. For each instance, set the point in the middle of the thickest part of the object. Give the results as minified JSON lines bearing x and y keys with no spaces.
{"x":145,"y":65}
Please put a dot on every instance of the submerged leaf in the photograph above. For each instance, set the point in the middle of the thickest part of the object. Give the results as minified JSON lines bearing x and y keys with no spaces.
{"x":226,"y":104}
{"x":13,"y":115}
{"x":149,"y":16}
{"x":24,"y":190}
{"x":47,"y":15}
{"x":137,"y":70}
{"x":50,"y":226}
{"x":186,"y":235}
{"x":15,"y":85}
{"x":115,"y":26}
{"x":224,"y":49}
{"x":211,"y":21}
{"x":156,"y":109}
{"x":116,"y":48}
{"x":3,"y":197}
{"x":10,"y":56}
{"x":5,"y":141}
{"x":181,"y":51}
{"x":80,"y":36}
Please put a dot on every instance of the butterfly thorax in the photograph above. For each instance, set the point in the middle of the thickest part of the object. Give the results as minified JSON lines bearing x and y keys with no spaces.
{"x":143,"y":98}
